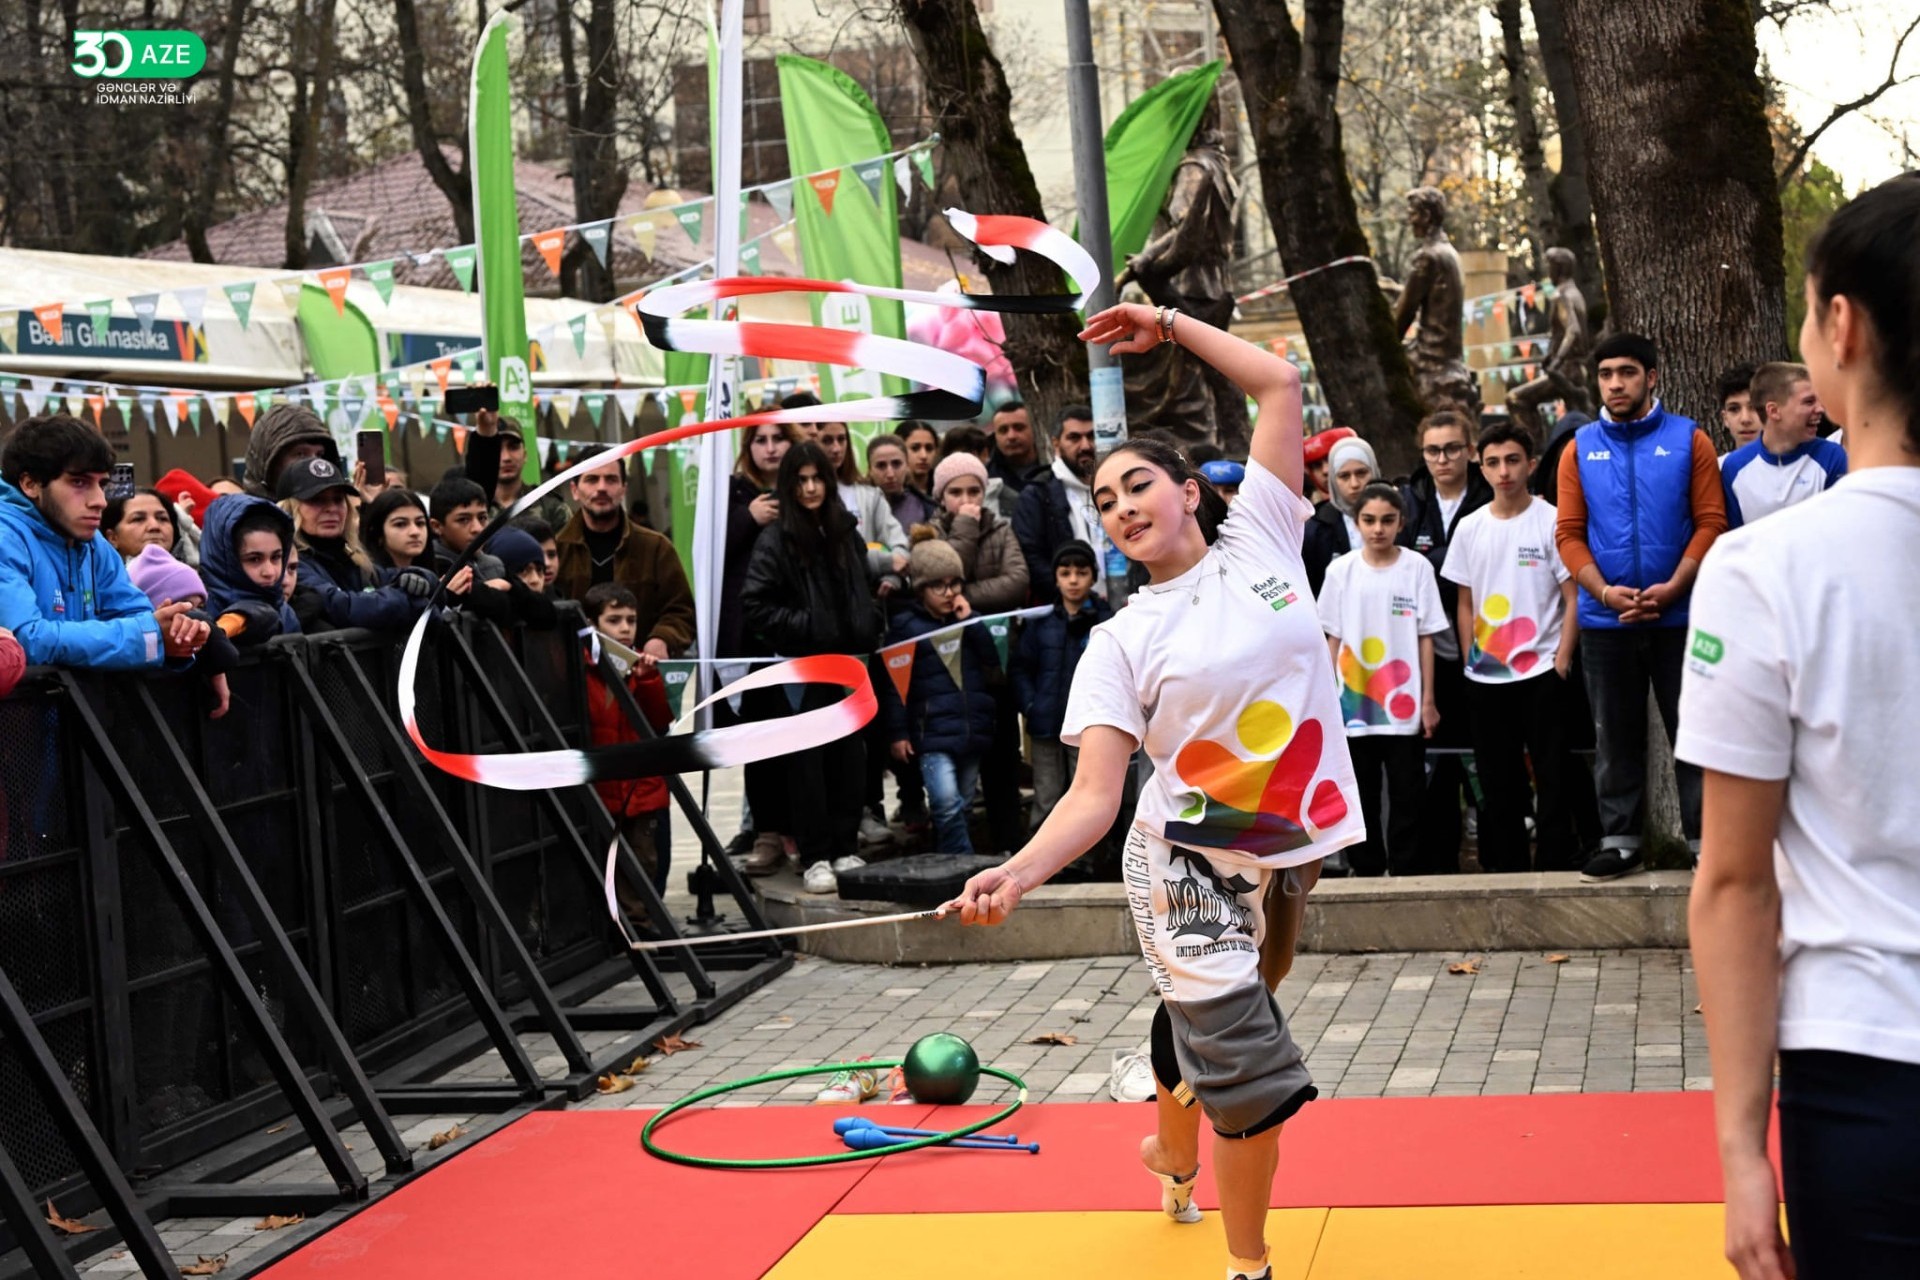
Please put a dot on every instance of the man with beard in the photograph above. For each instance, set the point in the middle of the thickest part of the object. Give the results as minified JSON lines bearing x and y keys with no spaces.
{"x":1055,"y":509}
{"x":601,"y":544}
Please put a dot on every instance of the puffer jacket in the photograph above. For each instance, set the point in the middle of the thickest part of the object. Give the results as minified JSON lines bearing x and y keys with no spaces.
{"x":347,"y":595}
{"x":1044,"y":660}
{"x":939,"y":715}
{"x":797,"y":608}
{"x":742,"y":532}
{"x":607,"y":724}
{"x":220,"y":560}
{"x":71,"y":604}
{"x":996,"y":569}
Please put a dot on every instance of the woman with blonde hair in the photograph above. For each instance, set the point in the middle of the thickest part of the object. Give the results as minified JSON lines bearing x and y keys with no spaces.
{"x":340,"y":584}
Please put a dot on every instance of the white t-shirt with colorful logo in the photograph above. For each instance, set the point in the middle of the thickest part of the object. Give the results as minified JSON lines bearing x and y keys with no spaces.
{"x":1378,"y":616}
{"x":1514,"y":572}
{"x":1222,"y":675}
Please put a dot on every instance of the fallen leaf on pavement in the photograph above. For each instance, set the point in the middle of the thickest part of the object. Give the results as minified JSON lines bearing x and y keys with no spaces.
{"x":65,"y":1225}
{"x":441,"y":1139}
{"x":667,"y":1046}
{"x":1464,"y":966}
{"x":273,"y":1221}
{"x":613,"y":1082}
{"x":1557,"y":957}
{"x":206,"y":1266}
{"x":1054,"y":1037}
{"x":639,"y":1064}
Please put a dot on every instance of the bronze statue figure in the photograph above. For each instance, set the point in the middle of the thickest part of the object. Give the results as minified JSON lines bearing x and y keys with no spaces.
{"x":1563,"y":374}
{"x":1433,"y":295}
{"x":1184,"y":265}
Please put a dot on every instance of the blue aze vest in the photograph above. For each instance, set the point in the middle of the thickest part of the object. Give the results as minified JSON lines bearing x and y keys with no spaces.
{"x":1637,"y":479}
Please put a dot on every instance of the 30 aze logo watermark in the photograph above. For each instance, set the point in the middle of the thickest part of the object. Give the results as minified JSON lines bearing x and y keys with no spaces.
{"x":139,"y":68}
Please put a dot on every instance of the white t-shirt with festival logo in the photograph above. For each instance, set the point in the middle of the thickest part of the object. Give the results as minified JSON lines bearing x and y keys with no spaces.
{"x":1514,"y":572}
{"x":1378,"y":616}
{"x":1222,"y":675}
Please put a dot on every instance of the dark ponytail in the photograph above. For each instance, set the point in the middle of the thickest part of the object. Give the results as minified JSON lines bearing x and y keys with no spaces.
{"x":1870,"y":251}
{"x":1167,"y":456}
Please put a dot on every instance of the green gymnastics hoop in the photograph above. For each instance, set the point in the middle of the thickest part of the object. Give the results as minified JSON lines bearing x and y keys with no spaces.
{"x":841,"y":1157}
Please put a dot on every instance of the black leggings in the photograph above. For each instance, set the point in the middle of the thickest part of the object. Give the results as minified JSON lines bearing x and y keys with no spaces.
{"x":1850,"y":1164}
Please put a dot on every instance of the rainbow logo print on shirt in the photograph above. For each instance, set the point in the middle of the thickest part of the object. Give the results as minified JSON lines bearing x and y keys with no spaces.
{"x":1367,"y":688}
{"x":1496,"y":636}
{"x":1256,"y":806}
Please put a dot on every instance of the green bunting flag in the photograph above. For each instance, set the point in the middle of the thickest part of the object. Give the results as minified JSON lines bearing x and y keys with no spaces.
{"x":750,"y":258}
{"x":577,"y":326}
{"x":461,"y":260}
{"x":596,"y":403}
{"x":240,"y":298}
{"x":380,"y":276}
{"x":1144,"y":147}
{"x":923,"y":161}
{"x":998,"y":630}
{"x":99,"y":314}
{"x":678,"y":677}
{"x":693,"y":220}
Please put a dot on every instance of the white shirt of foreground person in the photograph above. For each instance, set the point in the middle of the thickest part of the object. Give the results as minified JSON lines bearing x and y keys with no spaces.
{"x":1223,"y":676}
{"x":1802,"y":665}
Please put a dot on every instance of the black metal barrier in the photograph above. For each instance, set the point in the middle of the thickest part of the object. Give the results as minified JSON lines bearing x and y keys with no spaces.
{"x":285,"y":915}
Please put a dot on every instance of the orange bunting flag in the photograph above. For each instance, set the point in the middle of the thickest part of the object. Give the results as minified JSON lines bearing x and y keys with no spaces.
{"x":334,"y":280}
{"x":899,"y":660}
{"x":245,"y":404}
{"x":389,"y":410}
{"x":99,"y":406}
{"x":686,"y":400}
{"x":460,"y":440}
{"x":50,"y":317}
{"x":442,"y":367}
{"x":824,"y":185}
{"x":1526,"y":295}
{"x":550,"y":244}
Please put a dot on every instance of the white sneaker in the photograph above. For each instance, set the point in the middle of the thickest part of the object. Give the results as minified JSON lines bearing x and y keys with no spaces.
{"x":852,"y":862}
{"x":874,"y":831}
{"x":1132,"y":1078}
{"x":820,"y":879}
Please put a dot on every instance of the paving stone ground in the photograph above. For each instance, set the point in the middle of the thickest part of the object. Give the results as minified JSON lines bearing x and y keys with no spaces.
{"x":1385,"y":1025}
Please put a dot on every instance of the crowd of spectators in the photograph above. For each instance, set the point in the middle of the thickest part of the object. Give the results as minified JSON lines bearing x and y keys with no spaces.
{"x":1496,"y":618}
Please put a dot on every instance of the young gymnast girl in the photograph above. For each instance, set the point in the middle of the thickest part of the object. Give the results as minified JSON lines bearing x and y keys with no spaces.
{"x":1218,"y":670}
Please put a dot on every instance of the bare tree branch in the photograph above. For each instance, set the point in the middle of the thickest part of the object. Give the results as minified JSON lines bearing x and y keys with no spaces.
{"x":1893,"y":81}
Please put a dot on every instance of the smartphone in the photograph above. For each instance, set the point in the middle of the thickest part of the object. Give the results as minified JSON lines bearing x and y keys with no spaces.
{"x":120,"y":481}
{"x":470,"y":399}
{"x":371,"y":447}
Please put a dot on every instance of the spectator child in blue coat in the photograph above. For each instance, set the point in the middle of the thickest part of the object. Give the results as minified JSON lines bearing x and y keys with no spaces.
{"x":245,"y":556}
{"x":1048,"y":651}
{"x":948,"y":724}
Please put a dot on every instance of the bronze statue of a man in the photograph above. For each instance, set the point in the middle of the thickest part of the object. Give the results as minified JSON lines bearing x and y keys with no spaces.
{"x":1184,"y":265}
{"x":1563,"y":374}
{"x":1432,"y":296}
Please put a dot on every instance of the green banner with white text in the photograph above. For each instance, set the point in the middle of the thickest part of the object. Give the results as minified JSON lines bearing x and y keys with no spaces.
{"x":496,"y":225}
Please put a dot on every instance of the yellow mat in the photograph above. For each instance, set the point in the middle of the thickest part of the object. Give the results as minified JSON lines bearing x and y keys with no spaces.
{"x":1505,"y":1242}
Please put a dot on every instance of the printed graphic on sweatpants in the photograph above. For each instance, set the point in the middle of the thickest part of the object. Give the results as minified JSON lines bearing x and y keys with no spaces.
{"x":1199,"y":922}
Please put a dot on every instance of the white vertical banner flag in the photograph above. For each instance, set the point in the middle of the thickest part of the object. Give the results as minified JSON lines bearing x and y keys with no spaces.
{"x":711,"y":450}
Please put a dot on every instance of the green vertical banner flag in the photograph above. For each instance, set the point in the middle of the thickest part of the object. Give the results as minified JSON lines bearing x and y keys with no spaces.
{"x":830,"y":123}
{"x":1144,"y":147}
{"x":496,"y":225}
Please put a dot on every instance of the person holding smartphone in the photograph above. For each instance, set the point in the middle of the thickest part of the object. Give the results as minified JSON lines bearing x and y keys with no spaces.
{"x":497,"y":460}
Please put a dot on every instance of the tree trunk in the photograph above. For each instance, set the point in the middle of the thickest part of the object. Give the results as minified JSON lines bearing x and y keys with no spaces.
{"x":967,"y":97}
{"x":313,"y":45}
{"x":1288,"y":78}
{"x":1543,"y":227}
{"x":1572,"y":201}
{"x":205,"y":188}
{"x":452,"y":182}
{"x":1682,"y":170}
{"x":598,"y":179}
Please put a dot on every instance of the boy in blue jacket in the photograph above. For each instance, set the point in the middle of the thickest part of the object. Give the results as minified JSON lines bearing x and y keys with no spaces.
{"x":947,"y":714}
{"x":64,"y":591}
{"x":1048,"y":651}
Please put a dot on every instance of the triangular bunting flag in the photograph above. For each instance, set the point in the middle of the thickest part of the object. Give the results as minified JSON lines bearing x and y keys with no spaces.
{"x":380,"y":276}
{"x":750,"y":258}
{"x":899,"y":663}
{"x":596,"y":406}
{"x":123,"y":405}
{"x":218,"y":404}
{"x":240,"y":298}
{"x":289,"y":287}
{"x":923,"y":161}
{"x":334,"y":281}
{"x":51,"y":317}
{"x":780,"y":196}
{"x":678,"y":677}
{"x":263,"y":401}
{"x":469,"y":366}
{"x":460,"y":258}
{"x":551,"y":245}
{"x":577,"y":326}
{"x":903,"y":177}
{"x":693,"y":220}
{"x":193,"y":304}
{"x":629,"y":402}
{"x":244,"y":403}
{"x":441,"y":368}
{"x":597,"y":235}
{"x":100,"y":316}
{"x":179,"y":411}
{"x":645,"y":232}
{"x":389,"y":410}
{"x":824,"y":185}
{"x":145,"y":306}
{"x":947,"y":649}
{"x":997,"y":630}
{"x":872,"y":175}
{"x":97,"y":406}
{"x":783,"y":237}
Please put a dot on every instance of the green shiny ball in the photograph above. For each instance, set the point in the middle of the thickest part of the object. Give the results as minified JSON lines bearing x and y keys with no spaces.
{"x":942,"y":1068}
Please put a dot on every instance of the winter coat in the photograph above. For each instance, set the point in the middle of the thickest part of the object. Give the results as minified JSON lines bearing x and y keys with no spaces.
{"x":1324,"y":540}
{"x":607,"y":724}
{"x":13,"y":664}
{"x":873,"y":519}
{"x":518,"y":603}
{"x":911,"y":507}
{"x":220,"y":561}
{"x":646,"y":564}
{"x":69,"y":603}
{"x":341,"y":594}
{"x":742,"y":532}
{"x":824,"y":604}
{"x":1426,"y":532}
{"x":273,"y":439}
{"x":1044,"y":659}
{"x":1042,"y":524}
{"x":996,"y":571}
{"x":938,"y":715}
